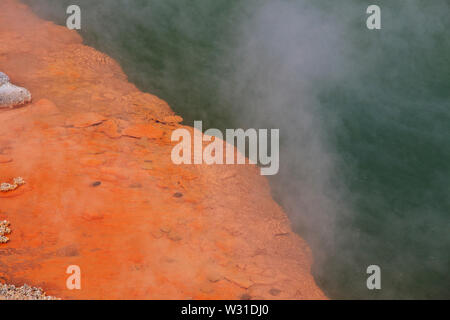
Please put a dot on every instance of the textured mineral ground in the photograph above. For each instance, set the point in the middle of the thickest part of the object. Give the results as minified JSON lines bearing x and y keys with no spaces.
{"x":25,"y":292}
{"x":102,"y":193}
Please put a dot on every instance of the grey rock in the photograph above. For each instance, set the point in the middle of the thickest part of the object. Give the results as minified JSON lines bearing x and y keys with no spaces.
{"x":11,"y":95}
{"x":3,"y":78}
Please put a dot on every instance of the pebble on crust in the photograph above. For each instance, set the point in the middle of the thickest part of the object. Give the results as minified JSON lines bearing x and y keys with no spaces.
{"x":4,"y":231}
{"x":17,"y":182}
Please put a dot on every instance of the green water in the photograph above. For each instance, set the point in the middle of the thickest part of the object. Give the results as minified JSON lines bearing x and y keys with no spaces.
{"x":364,"y":116}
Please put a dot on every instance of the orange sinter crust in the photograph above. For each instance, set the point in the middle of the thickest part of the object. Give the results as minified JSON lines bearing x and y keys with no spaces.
{"x":102,"y":193}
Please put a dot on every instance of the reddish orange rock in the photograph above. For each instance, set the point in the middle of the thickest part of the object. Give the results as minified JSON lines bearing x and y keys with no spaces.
{"x":92,"y":161}
{"x":44,"y":106}
{"x":172,"y":119}
{"x":83,"y":120}
{"x":143,"y":130}
{"x":138,"y":226}
{"x":5,"y":159}
{"x":110,"y":128}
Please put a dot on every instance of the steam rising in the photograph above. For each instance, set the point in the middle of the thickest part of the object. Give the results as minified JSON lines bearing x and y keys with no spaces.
{"x":363,"y":115}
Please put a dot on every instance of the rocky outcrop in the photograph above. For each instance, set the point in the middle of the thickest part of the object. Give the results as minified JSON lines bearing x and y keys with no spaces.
{"x":10,"y":95}
{"x":102,"y":193}
{"x":3,"y":78}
